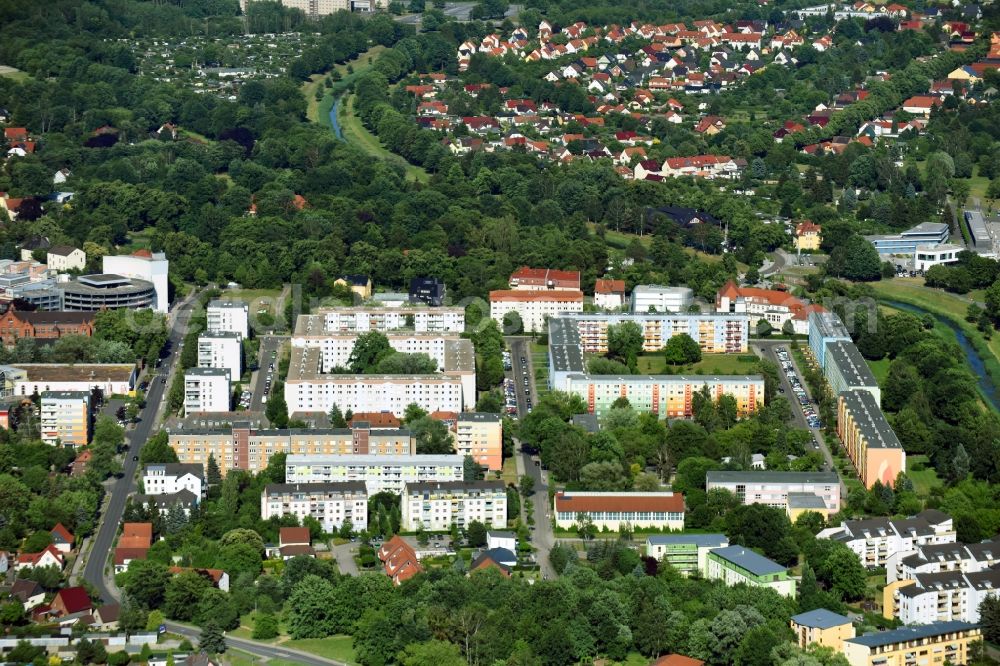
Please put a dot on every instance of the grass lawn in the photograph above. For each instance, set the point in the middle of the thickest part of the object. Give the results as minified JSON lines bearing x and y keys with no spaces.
{"x":880,"y":369}
{"x":139,"y":240}
{"x":356,"y":133}
{"x":315,"y":109}
{"x":9,"y":72}
{"x":977,"y":184}
{"x":924,"y":479}
{"x":509,"y":473}
{"x":339,"y":648}
{"x":710,"y":364}
{"x":258,"y":299}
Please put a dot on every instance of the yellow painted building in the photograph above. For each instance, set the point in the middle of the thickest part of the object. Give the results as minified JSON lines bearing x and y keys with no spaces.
{"x":480,"y":435}
{"x":359,"y":284}
{"x":799,"y":503}
{"x":869,"y":440}
{"x":890,"y":597}
{"x":822,"y":627}
{"x":920,"y":645}
{"x":808,"y":236}
{"x":65,"y":417}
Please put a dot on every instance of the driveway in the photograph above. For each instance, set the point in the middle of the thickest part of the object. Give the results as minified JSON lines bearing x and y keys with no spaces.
{"x":258,"y":379}
{"x":344,"y":553}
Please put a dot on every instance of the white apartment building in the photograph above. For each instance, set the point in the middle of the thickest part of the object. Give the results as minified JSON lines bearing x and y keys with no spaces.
{"x":379,"y":473}
{"x":418,"y":319}
{"x":316,"y":8}
{"x":309,"y":389}
{"x":654,"y":298}
{"x":143,"y":265}
{"x":436,"y":506}
{"x":533,"y":307}
{"x":206,"y":390}
{"x":336,"y":348}
{"x":943,"y":597}
{"x":171,"y":478}
{"x":941,"y":558}
{"x":65,"y":417}
{"x":330,"y":503}
{"x":773,"y":488}
{"x":226,"y":316}
{"x":223,"y":349}
{"x":657,"y":510}
{"x":877,"y":540}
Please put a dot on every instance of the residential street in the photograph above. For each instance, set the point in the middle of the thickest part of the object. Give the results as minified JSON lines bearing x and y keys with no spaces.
{"x":344,"y":554}
{"x":262,"y":650}
{"x":258,"y":379}
{"x":93,"y":571}
{"x":542,"y":537}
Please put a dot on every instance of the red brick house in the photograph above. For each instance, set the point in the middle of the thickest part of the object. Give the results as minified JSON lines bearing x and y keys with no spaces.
{"x":16,"y":324}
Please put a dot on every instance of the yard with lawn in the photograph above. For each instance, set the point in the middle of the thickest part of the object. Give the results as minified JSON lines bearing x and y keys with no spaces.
{"x":710,"y":364}
{"x":923,"y":475}
{"x":338,"y":648}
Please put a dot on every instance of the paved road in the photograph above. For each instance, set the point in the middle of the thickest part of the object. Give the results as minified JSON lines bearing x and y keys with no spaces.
{"x":268,"y":344}
{"x":542,"y":537}
{"x":766,"y":349}
{"x":459,"y":11}
{"x":345,"y":558}
{"x":521,"y":348}
{"x":258,"y":649}
{"x":93,"y":572}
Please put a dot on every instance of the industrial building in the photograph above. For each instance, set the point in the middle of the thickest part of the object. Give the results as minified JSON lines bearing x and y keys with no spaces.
{"x":905,"y":243}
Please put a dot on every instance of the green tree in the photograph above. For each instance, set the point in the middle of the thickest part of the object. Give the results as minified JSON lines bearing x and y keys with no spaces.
{"x":183,"y":594}
{"x":625,"y":342}
{"x":158,"y":450}
{"x":277,"y":409}
{"x":475,"y":533}
{"x":432,"y":653}
{"x":265,"y":627}
{"x":856,"y":259}
{"x":432,"y":436}
{"x":211,"y":639}
{"x":337,"y":419}
{"x":311,"y":609}
{"x":989,"y":618}
{"x":527,"y":485}
{"x":369,"y":349}
{"x":682,"y":350}
{"x":145,"y":582}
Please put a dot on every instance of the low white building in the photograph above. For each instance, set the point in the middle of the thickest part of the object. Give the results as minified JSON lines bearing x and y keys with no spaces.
{"x":609,"y":294}
{"x":499,"y":539}
{"x":228,"y":316}
{"x":927,"y":256}
{"x":143,"y":265}
{"x":656,"y":510}
{"x":332,"y":504}
{"x":206,"y":390}
{"x":171,"y":478}
{"x":533,"y":307}
{"x":379,"y":473}
{"x":437,"y":505}
{"x":773,"y":488}
{"x":735,"y":565}
{"x":654,"y":298}
{"x":65,"y":258}
{"x":222,"y":349}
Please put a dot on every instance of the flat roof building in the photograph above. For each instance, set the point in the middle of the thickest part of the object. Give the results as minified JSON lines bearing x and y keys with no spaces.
{"x":869,"y":440}
{"x":773,"y":488}
{"x":206,"y":390}
{"x":928,"y":256}
{"x":151,"y":267}
{"x":687,"y":553}
{"x":533,"y":307}
{"x":28,"y":378}
{"x":222,"y":349}
{"x":825,"y":327}
{"x":668,"y":396}
{"x":661,"y":510}
{"x":822,"y":627}
{"x":655,"y":298}
{"x":846,"y":369}
{"x":735,"y":564}
{"x":65,"y":418}
{"x":978,"y":229}
{"x":914,"y":645}
{"x":906,"y":242}
{"x":379,"y":473}
{"x":228,"y":316}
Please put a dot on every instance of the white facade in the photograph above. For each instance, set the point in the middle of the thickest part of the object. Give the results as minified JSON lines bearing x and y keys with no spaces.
{"x":611,"y":510}
{"x":223,"y":350}
{"x":111,"y":378}
{"x":379,"y":473}
{"x":608,"y":300}
{"x":228,"y":317}
{"x":436,"y":506}
{"x":206,"y":390}
{"x":171,"y":478}
{"x":317,"y":8}
{"x":336,"y":348}
{"x":60,"y":261}
{"x":533,"y":307}
{"x":505,"y":540}
{"x":651,"y":297}
{"x":946,"y":597}
{"x":942,"y":558}
{"x":152,"y":268}
{"x":377,"y":393}
{"x":363,"y":319}
{"x":329,"y":503}
{"x":935,"y":255}
{"x":877,"y":540}
{"x":773,"y":488}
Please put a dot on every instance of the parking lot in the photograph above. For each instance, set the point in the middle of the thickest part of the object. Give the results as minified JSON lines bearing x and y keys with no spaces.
{"x":517,"y":384}
{"x":799,"y":393}
{"x":255,"y":397}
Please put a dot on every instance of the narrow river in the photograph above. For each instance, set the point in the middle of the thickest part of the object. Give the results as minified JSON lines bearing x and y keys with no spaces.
{"x":986,"y":385}
{"x":334,"y":120}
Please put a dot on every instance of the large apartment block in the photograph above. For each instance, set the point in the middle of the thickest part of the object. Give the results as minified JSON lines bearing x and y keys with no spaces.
{"x":877,"y":540}
{"x":223,"y":349}
{"x":438,"y":505}
{"x":330,"y":503}
{"x":244,"y":448}
{"x":938,"y":643}
{"x":379,"y":473}
{"x":533,"y":307}
{"x":669,"y":396}
{"x":735,"y":564}
{"x":825,"y":327}
{"x":941,"y":558}
{"x":774,"y":488}
{"x":941,"y":597}
{"x":869,"y":440}
{"x":308,"y":388}
{"x":65,"y":417}
{"x":417,"y":319}
{"x":206,"y":390}
{"x":611,"y":510}
{"x":336,"y":348}
{"x":846,"y":370}
{"x":715,"y":333}
{"x":225,"y":316}
{"x":480,"y":435}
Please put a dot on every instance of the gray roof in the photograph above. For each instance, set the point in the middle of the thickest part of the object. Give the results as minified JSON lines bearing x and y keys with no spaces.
{"x":745,"y":558}
{"x":206,"y":372}
{"x":882,"y":638}
{"x":227,"y":304}
{"x":828,"y":325}
{"x":869,"y":419}
{"x":850,"y":362}
{"x":805,"y":501}
{"x":433,"y":486}
{"x":178,"y":469}
{"x":183,"y":497}
{"x":482,"y":417}
{"x":765,"y":476}
{"x":565,"y":352}
{"x":702,"y":540}
{"x":319,"y":487}
{"x":588,"y":422}
{"x":820,"y":618}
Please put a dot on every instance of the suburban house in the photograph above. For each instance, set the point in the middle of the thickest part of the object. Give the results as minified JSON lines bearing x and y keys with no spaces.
{"x":66,"y":258}
{"x":71,"y":600}
{"x":61,"y":538}
{"x":399,"y":559}
{"x":609,"y":294}
{"x":48,"y":557}
{"x":294,"y":541}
